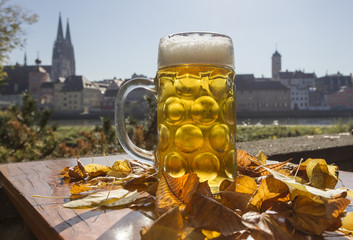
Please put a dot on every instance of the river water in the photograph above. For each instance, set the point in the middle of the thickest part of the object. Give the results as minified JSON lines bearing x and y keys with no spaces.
{"x":248,"y":121}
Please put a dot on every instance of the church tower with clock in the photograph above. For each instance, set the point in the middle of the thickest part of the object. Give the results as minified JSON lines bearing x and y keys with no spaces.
{"x":63,"y":59}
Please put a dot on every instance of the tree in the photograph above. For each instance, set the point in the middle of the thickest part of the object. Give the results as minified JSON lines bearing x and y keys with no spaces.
{"x":12,"y":19}
{"x":24,"y":134}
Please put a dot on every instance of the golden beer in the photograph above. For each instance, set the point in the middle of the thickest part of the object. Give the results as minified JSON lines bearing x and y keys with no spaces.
{"x":196,"y":121}
{"x":196,"y":118}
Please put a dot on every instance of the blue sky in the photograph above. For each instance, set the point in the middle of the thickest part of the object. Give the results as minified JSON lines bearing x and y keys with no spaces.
{"x":116,"y":38}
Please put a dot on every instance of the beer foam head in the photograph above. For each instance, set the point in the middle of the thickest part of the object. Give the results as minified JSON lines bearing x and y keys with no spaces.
{"x":196,"y":48}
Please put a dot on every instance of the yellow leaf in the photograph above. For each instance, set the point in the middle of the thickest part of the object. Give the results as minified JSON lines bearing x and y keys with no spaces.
{"x":120,"y":169}
{"x":241,"y":184}
{"x":347,"y":222}
{"x":94,"y":170}
{"x":269,"y":189}
{"x":316,"y":216}
{"x":122,"y":166}
{"x":261,"y":156}
{"x":320,"y":174}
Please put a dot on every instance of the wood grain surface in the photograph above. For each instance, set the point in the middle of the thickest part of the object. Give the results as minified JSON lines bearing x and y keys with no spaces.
{"x":48,"y":219}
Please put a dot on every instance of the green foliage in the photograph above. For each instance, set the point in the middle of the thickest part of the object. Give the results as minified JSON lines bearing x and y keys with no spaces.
{"x":12,"y":18}
{"x":24,"y":134}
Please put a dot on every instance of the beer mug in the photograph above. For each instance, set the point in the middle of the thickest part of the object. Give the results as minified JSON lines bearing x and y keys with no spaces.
{"x":196,"y":116}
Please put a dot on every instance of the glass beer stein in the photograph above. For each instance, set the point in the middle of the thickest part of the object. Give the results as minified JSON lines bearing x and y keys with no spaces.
{"x":196,"y":116}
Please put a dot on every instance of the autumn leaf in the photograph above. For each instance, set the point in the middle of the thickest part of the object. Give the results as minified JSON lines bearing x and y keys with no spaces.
{"x":241,"y":184}
{"x":245,"y":160}
{"x":318,"y":173}
{"x":293,"y":184}
{"x":270,"y":225}
{"x":112,"y":198}
{"x":120,"y":169}
{"x":93,"y":184}
{"x":261,"y":157}
{"x":168,"y":226}
{"x":347,"y":222}
{"x":94,"y":170}
{"x":77,"y":171}
{"x":175,"y":191}
{"x":316,"y":216}
{"x":269,"y":191}
{"x":235,"y":200}
{"x":207,"y":213}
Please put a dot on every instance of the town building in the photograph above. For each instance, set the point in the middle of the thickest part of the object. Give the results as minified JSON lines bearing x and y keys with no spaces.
{"x":300,"y":85}
{"x":108,"y":102}
{"x":332,"y":83}
{"x":76,"y":94}
{"x":342,"y":99}
{"x":19,"y":79}
{"x":258,"y":96}
{"x":276,"y":65}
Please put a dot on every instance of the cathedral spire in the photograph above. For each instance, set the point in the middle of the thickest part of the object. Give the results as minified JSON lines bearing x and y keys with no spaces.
{"x":67,"y":35}
{"x":60,"y":35}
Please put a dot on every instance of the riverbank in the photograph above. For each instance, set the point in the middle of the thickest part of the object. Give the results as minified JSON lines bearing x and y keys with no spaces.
{"x":240,"y":115}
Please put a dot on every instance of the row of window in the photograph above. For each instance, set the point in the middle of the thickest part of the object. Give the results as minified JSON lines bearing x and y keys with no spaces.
{"x":276,"y":104}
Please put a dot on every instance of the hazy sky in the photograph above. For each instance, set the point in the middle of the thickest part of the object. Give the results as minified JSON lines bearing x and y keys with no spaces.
{"x":116,"y":38}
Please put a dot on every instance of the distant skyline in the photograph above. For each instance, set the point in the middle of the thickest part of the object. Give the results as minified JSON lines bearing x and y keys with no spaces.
{"x":115,"y":38}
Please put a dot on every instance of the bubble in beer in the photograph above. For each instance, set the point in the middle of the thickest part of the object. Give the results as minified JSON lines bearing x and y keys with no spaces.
{"x":175,"y":164}
{"x":218,"y":82}
{"x":229,"y":111}
{"x":173,"y":110}
{"x":164,"y":136}
{"x":188,"y":138}
{"x":219,"y":137}
{"x":206,"y":166}
{"x":187,"y":85}
{"x":219,"y":87}
{"x":205,"y":110}
{"x":230,"y":164}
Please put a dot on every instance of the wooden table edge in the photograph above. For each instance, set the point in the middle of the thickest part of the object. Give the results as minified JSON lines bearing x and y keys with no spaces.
{"x":41,"y":228}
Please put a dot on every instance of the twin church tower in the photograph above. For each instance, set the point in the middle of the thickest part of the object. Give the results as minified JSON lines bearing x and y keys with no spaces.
{"x":63,"y":59}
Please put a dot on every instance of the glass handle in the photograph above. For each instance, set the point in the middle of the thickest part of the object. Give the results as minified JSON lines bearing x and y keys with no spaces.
{"x":123,"y":137}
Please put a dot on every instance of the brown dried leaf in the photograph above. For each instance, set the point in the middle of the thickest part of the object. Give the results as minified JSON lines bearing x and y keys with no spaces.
{"x":270,"y":190}
{"x":245,"y":160}
{"x":316,"y":216}
{"x":169,"y":226}
{"x":270,"y":226}
{"x":95,"y":170}
{"x":93,"y":184}
{"x":140,"y":183}
{"x":235,"y":200}
{"x":175,"y":191}
{"x":207,"y":213}
{"x":260,"y":171}
{"x":78,"y":171}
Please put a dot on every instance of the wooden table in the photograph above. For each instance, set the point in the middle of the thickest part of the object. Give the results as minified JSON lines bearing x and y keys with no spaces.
{"x":49,"y":220}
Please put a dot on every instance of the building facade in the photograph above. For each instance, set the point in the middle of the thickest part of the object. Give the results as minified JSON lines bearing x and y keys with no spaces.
{"x":76,"y":94}
{"x":258,"y":96}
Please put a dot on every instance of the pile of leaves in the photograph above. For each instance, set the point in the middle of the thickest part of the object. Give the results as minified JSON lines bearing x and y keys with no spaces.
{"x":265,"y":201}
